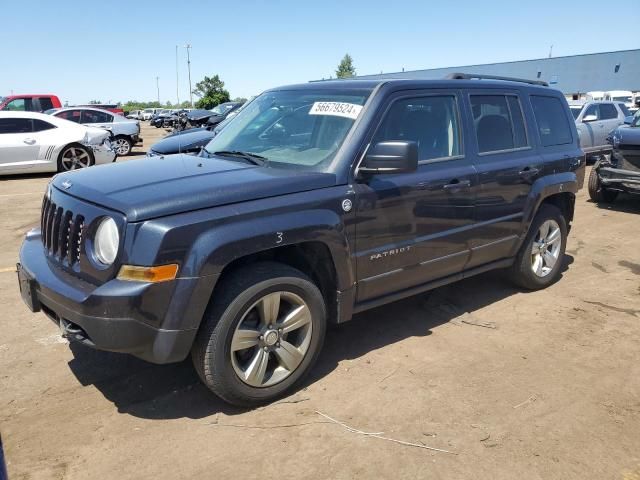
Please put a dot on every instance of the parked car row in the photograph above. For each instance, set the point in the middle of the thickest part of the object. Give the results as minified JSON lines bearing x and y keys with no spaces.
{"x":33,"y":142}
{"x":192,"y":140}
{"x":125,"y":133}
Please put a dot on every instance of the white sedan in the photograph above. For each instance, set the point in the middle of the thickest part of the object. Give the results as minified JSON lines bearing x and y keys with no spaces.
{"x":125,"y":133}
{"x":33,"y":142}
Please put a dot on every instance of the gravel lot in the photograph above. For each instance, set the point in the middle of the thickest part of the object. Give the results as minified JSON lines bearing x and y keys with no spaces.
{"x":516,"y":385}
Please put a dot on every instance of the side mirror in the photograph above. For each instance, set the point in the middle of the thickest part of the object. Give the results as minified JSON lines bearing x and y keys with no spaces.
{"x":589,"y":118}
{"x":628,"y":120}
{"x":391,"y":157}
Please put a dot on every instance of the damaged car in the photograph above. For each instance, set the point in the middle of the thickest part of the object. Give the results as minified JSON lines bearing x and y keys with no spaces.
{"x":33,"y":142}
{"x":619,"y":172}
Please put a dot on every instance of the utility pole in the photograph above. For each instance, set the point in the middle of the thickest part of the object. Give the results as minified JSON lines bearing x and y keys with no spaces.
{"x":177,"y":94}
{"x":188,"y":46}
{"x":551,"y":51}
{"x":158,"y":87}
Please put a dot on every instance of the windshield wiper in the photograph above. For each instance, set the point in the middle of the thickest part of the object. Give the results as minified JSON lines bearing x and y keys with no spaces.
{"x":251,"y":157}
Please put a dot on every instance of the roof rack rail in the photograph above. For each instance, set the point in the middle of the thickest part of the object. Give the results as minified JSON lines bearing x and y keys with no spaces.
{"x":469,"y":76}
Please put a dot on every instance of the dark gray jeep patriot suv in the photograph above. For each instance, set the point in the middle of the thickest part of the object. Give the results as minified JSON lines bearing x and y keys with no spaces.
{"x":316,"y":202}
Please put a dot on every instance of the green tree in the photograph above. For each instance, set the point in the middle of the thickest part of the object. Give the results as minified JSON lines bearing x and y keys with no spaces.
{"x":211,"y":92}
{"x":345,"y":67}
{"x":240,"y":99}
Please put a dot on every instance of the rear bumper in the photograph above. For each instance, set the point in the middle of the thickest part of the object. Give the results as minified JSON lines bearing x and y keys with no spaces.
{"x":108,"y":317}
{"x":103,"y":154}
{"x":619,"y":179}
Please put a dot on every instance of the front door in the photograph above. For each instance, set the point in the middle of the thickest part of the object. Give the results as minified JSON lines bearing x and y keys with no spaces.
{"x":507,"y":166}
{"x":18,"y":146}
{"x":411,"y":228}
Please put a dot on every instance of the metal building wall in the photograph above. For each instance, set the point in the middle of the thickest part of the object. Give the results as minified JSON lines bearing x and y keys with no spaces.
{"x":573,"y":74}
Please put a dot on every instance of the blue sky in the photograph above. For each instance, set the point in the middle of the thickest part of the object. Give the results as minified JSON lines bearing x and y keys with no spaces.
{"x":113,"y":50}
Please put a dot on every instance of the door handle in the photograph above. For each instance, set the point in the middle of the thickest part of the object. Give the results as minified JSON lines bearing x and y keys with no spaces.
{"x":29,"y":141}
{"x":529,"y":172}
{"x":457,"y":184}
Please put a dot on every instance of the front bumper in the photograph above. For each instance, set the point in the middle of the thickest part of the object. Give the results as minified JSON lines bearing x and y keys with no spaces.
{"x":115,"y":316}
{"x":619,"y":179}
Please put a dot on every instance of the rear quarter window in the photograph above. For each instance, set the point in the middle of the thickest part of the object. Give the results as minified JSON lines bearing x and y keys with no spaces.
{"x":551,"y":120}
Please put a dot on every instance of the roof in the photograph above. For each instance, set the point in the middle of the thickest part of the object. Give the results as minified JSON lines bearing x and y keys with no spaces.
{"x":619,"y":70}
{"x":410,"y":83}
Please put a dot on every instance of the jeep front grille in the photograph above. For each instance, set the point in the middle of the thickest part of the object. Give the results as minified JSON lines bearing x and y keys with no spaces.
{"x":62,"y":232}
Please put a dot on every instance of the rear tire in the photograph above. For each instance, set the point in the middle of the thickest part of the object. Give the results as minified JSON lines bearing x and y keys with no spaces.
{"x":289,"y":333}
{"x":597,"y":192}
{"x":75,"y":156}
{"x":541,"y":255}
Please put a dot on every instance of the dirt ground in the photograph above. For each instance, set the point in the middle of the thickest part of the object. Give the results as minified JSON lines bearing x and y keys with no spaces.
{"x":542,"y":385}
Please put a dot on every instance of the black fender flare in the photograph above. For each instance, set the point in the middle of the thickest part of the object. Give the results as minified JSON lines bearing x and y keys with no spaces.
{"x":564,"y":182}
{"x":217,"y":247}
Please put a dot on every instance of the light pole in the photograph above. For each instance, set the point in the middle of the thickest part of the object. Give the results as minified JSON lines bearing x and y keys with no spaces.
{"x":188,"y":46}
{"x":177,"y":94}
{"x":158,"y":88}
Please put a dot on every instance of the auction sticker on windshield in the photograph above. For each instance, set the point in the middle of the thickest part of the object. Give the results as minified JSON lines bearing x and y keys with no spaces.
{"x":336,"y":109}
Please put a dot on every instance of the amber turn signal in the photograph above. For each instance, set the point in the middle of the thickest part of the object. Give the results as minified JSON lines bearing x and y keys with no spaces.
{"x":160,"y":273}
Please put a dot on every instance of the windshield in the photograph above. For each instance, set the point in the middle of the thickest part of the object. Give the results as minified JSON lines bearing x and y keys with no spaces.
{"x":222,"y":109}
{"x":625,"y":99}
{"x":292,"y":128}
{"x":576,"y":111}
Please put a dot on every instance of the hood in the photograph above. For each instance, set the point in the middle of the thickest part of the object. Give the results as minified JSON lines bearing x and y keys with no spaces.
{"x":159,"y":186}
{"x":199,"y":114}
{"x":179,"y":142}
{"x":628,"y":135}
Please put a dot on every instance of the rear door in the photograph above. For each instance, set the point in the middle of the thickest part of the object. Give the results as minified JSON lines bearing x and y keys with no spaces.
{"x":507,"y":162}
{"x":411,"y":228}
{"x":610,"y":119}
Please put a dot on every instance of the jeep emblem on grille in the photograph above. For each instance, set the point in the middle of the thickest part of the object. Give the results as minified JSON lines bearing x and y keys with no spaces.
{"x":66,"y":184}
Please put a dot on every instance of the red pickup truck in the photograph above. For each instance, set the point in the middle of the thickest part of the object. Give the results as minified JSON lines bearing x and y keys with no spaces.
{"x":30,"y":102}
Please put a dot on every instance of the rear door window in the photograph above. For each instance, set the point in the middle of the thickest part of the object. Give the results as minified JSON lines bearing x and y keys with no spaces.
{"x":45,"y":103}
{"x":498,"y":122}
{"x":94,"y":116}
{"x":608,"y":111}
{"x":551,"y":119}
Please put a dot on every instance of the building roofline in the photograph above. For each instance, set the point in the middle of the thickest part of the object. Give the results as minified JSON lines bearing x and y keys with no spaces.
{"x":462,"y":68}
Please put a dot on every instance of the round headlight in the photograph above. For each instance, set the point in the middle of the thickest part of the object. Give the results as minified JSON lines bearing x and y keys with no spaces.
{"x":106,"y":241}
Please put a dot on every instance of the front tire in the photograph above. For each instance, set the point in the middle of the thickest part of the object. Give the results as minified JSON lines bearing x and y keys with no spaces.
{"x":122,"y":145}
{"x":597,"y":192}
{"x":541,"y":255}
{"x":261,"y":334}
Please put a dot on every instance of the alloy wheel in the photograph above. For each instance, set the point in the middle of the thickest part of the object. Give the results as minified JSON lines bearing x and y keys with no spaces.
{"x":546,"y":248}
{"x":74,"y":158}
{"x":121,"y":146}
{"x":271,"y":339}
